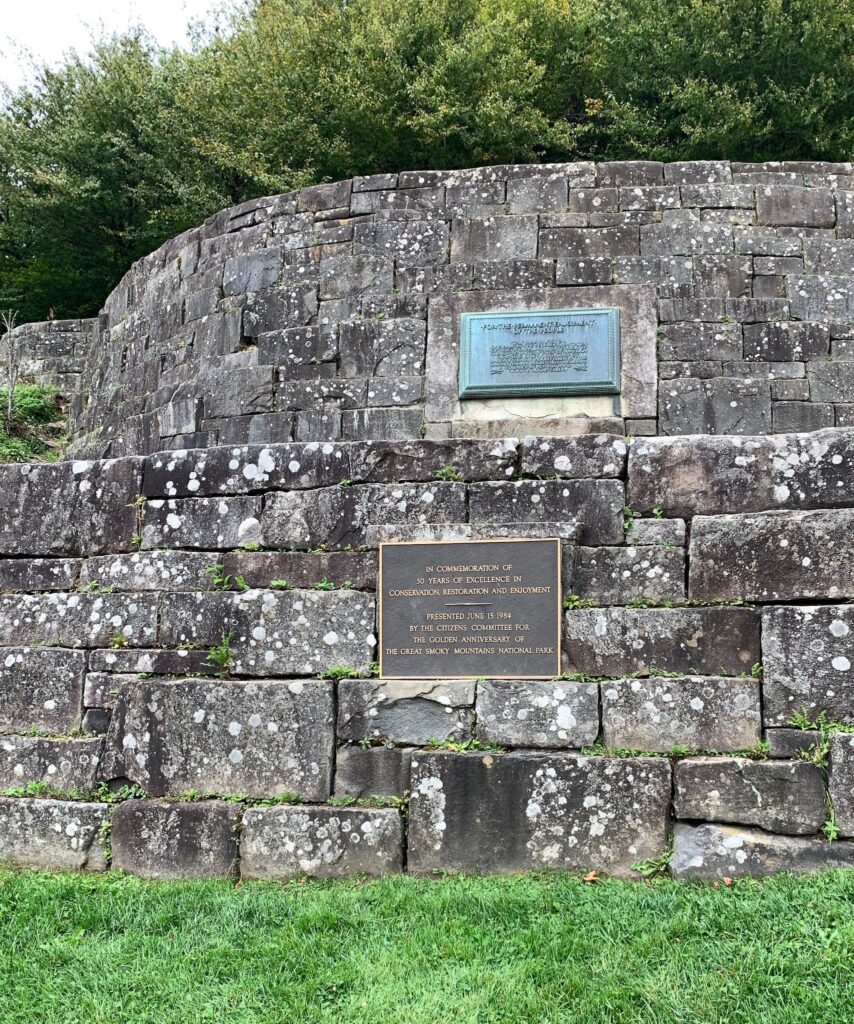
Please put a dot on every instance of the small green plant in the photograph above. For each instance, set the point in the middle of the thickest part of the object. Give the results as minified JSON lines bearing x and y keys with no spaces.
{"x":218,"y":577}
{"x":324,"y":584}
{"x":341,"y":672}
{"x":652,"y":867}
{"x":573,"y":602}
{"x":221,"y":656}
{"x":756,"y":670}
{"x":629,"y":516}
{"x":93,"y":587}
{"x":119,"y":641}
{"x":450,"y":473}
{"x":758,"y":752}
{"x":819,"y":755}
{"x":104,"y":838}
{"x":281,"y":585}
{"x":253,"y":545}
{"x":657,"y":512}
{"x":136,"y":541}
{"x":461,"y":746}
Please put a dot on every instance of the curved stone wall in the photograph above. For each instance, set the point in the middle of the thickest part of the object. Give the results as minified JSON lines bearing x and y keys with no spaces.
{"x":333,"y":313}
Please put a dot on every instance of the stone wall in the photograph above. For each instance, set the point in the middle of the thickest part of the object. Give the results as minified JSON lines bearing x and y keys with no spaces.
{"x":332,"y":313}
{"x":53,"y":353}
{"x":200,"y":624}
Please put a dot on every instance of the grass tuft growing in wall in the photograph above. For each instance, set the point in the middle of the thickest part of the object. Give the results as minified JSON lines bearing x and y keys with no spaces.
{"x":37,"y":430}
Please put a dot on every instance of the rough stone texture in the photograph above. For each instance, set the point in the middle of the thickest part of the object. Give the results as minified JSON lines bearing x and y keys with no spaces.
{"x":623,"y":641}
{"x":77,"y":620}
{"x":719,"y":405}
{"x":808,"y":662}
{"x":688,"y":476}
{"x":620,"y":575}
{"x":699,"y":712}
{"x":538,"y":714}
{"x":69,"y":508}
{"x":842,"y":781}
{"x":322,"y":842}
{"x":405,"y":710}
{"x":787,"y":743}
{"x":291,"y":633}
{"x":302,"y":570}
{"x":64,"y":765}
{"x":779,"y":796}
{"x":259,"y":739}
{"x":206,"y":523}
{"x":150,"y":570}
{"x":489,"y":813}
{"x":772,"y":556}
{"x":373,"y":771}
{"x":175,"y":840}
{"x":572,"y":458}
{"x":52,"y":835}
{"x":41,"y":689}
{"x":34,"y":574}
{"x":723,"y":851}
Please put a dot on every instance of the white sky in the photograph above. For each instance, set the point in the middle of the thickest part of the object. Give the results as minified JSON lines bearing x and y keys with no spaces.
{"x":46,"y":29}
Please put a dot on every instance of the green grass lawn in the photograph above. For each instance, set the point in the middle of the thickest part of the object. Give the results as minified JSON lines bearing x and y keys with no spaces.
{"x":526,"y":949}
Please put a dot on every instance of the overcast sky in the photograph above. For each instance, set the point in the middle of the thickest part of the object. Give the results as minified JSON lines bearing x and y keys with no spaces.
{"x":49,"y":28}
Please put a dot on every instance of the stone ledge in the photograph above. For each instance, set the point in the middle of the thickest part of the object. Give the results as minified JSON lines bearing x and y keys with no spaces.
{"x":52,"y":835}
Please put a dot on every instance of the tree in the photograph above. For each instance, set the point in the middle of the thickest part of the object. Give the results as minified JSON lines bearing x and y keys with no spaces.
{"x":8,"y":319}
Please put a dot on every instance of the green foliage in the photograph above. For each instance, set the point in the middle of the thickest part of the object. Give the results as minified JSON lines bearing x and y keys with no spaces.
{"x":341,"y":672}
{"x":101,"y":793}
{"x":220,"y":656}
{"x":324,"y":584}
{"x":37,"y":432}
{"x":119,"y":641}
{"x":654,"y":866}
{"x":529,"y":948}
{"x":574,"y":601}
{"x":461,"y":746}
{"x":449,"y":473}
{"x":110,"y":154}
{"x":280,"y":585}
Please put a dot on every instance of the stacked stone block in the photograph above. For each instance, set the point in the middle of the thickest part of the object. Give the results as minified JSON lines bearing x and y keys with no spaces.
{"x":196,"y":629}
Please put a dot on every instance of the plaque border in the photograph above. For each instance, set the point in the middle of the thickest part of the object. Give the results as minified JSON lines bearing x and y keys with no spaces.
{"x":608,"y":386}
{"x":480,"y":540}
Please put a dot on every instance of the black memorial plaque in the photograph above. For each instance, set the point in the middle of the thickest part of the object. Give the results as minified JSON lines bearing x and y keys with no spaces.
{"x":463,"y":609}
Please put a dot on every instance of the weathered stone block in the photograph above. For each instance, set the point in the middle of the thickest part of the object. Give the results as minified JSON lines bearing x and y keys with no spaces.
{"x":570,"y":458}
{"x":699,"y":341}
{"x":808,"y":662}
{"x":622,"y":641}
{"x":290,"y":633}
{"x":405,"y":710}
{"x":373,"y":771}
{"x":41,"y":689}
{"x":73,"y":508}
{"x":499,"y":813}
{"x":382,"y":348}
{"x":789,"y":743}
{"x":793,"y":206}
{"x":782,"y":341}
{"x":842,"y":781}
{"x":688,"y":238}
{"x":175,"y":840}
{"x":596,"y":505}
{"x":644,"y":532}
{"x":205,"y":523}
{"x":323,"y":842}
{"x":831,"y":381}
{"x":772,"y":556}
{"x":417,"y":242}
{"x":150,"y":570}
{"x":302,"y":570}
{"x":494,"y":238}
{"x":623,"y":574}
{"x":420,"y":461}
{"x":62,"y":764}
{"x":33,"y":574}
{"x":252,"y":271}
{"x":779,"y":796}
{"x":338,"y":516}
{"x":801,"y":417}
{"x":719,"y":405}
{"x":723,"y":851}
{"x":587,"y":243}
{"x":687,"y":476}
{"x":538,"y":714}
{"x":77,"y":620}
{"x":234,"y":739}
{"x":52,"y":835}
{"x":698,"y":712}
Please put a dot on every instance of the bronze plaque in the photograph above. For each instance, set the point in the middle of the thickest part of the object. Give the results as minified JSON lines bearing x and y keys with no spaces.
{"x":464,"y":609}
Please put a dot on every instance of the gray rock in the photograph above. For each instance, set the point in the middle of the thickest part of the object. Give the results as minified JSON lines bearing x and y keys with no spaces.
{"x":62,"y":764}
{"x":103,"y":688}
{"x":694,"y":341}
{"x":150,"y":570}
{"x":96,"y":721}
{"x":831,"y":381}
{"x":150,"y":662}
{"x":625,"y":574}
{"x":589,"y":243}
{"x":687,"y":476}
{"x":668,"y":532}
{"x":500,"y":813}
{"x":801,"y":416}
{"x":788,"y":743}
{"x":699,"y":712}
{"x":772,"y":556}
{"x":420,"y":461}
{"x":785,"y":341}
{"x":252,"y":271}
{"x":272,"y":632}
{"x":538,"y":714}
{"x":622,"y":641}
{"x":52,"y":835}
{"x":175,"y":840}
{"x":77,"y":620}
{"x":494,"y":238}
{"x":372,"y":771}
{"x":259,"y":739}
{"x":33,"y":574}
{"x":41,"y":688}
{"x":596,"y":505}
{"x":570,"y":458}
{"x":206,"y":523}
{"x":302,"y":570}
{"x":723,"y":851}
{"x":779,"y":796}
{"x":322,"y":842}
{"x":841,"y":788}
{"x":808,"y":662}
{"x":405,"y":710}
{"x":793,"y":206}
{"x":338,"y":516}
{"x":719,"y":405}
{"x":69,"y":508}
